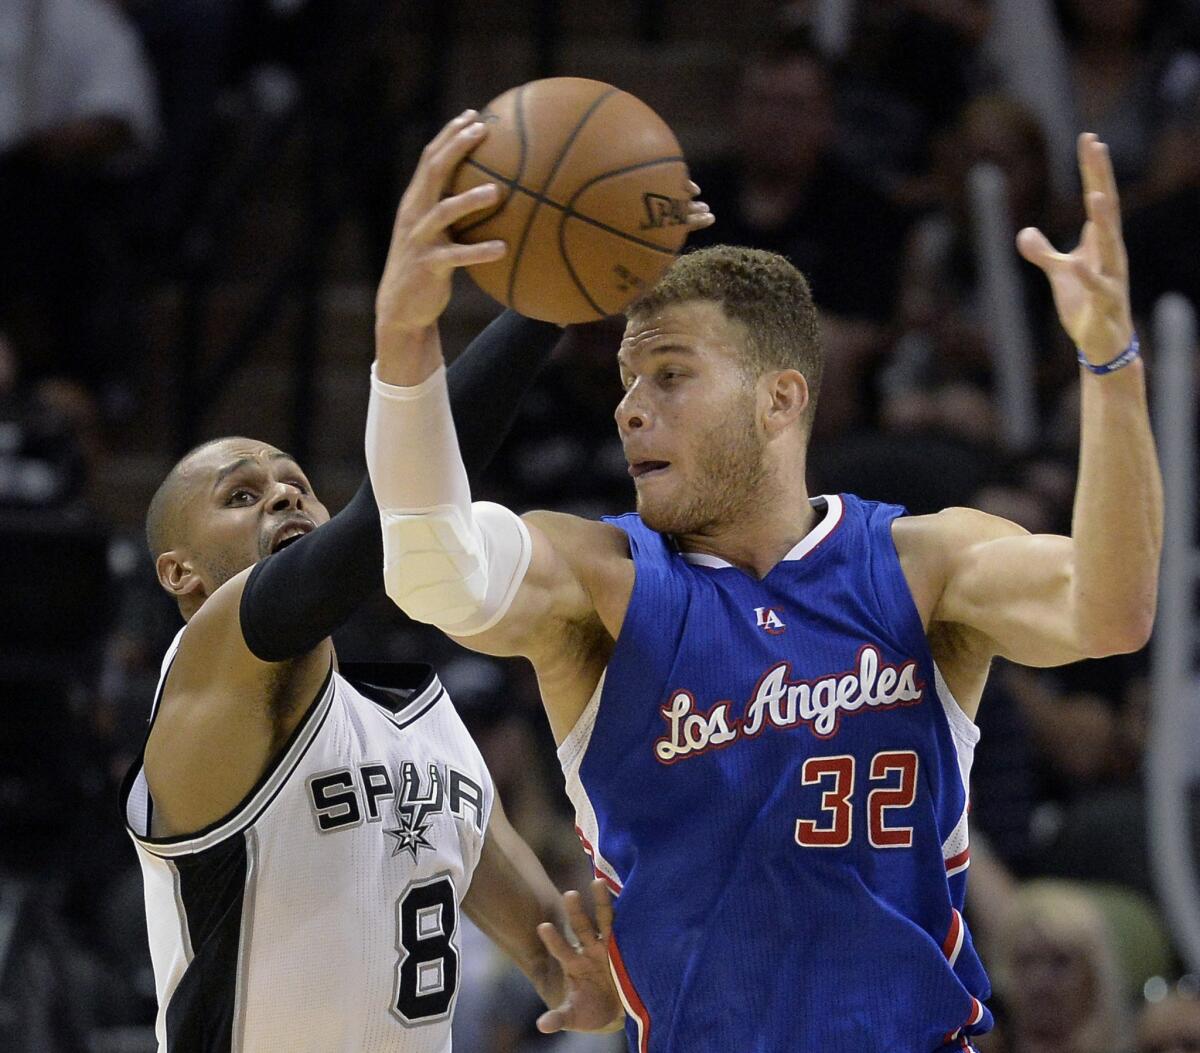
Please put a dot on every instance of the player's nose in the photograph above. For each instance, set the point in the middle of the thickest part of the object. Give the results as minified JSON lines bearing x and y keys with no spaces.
{"x":286,"y":496}
{"x":630,"y":414}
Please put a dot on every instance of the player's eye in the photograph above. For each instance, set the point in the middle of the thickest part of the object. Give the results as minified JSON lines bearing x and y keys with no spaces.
{"x":240,"y":496}
{"x":299,"y":484}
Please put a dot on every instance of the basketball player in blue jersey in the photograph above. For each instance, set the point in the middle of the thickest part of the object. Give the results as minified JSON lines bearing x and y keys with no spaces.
{"x":309,"y":834}
{"x":764,"y":701}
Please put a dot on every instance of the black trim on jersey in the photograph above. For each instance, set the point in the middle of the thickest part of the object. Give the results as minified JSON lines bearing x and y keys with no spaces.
{"x":394,"y":686}
{"x":268,"y":772}
{"x":212,"y":886}
{"x":140,"y":760}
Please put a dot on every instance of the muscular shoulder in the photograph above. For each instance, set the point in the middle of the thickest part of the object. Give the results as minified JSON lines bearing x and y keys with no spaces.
{"x":930,"y":547}
{"x":597,"y":555}
{"x":590,"y":546}
{"x":951,"y":528}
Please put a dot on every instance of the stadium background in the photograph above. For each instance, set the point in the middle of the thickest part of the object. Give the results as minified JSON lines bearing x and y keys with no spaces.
{"x":195,"y":199}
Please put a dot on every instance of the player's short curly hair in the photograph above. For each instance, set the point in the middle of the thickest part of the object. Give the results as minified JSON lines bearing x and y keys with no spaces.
{"x":763,"y":291}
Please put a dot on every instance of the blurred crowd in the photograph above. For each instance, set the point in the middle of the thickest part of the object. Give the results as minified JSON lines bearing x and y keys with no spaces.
{"x":880,"y":156}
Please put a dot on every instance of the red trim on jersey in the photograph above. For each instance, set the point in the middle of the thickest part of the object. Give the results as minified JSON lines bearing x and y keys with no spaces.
{"x":958,"y":860}
{"x":841,"y":514}
{"x":591,"y":854}
{"x":629,"y":995}
{"x":953,"y":941}
{"x":976,"y":1012}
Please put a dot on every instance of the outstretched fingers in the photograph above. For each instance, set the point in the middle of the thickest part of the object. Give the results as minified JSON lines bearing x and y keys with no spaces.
{"x":1102,"y":202}
{"x":577,"y":917}
{"x":444,"y":258}
{"x":698,"y":214}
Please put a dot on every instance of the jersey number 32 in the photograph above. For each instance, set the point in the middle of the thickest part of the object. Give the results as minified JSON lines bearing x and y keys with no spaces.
{"x":893,"y":774}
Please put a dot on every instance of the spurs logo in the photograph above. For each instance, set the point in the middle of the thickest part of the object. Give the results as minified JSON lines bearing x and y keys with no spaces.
{"x":348,"y":797}
{"x":414,"y":809}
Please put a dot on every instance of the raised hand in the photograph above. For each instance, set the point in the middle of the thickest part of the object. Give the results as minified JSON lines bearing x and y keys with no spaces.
{"x":1090,"y":284}
{"x":590,"y":1002}
{"x":415,"y":287}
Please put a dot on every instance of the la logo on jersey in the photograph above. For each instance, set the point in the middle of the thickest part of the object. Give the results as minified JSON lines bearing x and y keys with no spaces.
{"x":768,"y":619}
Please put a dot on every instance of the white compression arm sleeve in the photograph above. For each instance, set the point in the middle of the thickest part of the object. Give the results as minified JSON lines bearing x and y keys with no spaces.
{"x":446,"y":561}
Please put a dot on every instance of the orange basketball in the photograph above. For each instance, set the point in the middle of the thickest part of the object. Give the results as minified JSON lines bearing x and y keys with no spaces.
{"x":593,"y":199}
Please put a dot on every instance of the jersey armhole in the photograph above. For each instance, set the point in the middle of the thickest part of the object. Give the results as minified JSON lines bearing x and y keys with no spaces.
{"x":895,"y":606}
{"x":247,"y":811}
{"x":898,"y":610}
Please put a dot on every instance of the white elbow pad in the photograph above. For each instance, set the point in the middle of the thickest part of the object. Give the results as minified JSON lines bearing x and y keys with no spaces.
{"x":446,"y":561}
{"x":458,"y":572}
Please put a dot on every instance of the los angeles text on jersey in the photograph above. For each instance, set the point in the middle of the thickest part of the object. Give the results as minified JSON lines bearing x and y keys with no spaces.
{"x":782,"y":703}
{"x":344,"y":797}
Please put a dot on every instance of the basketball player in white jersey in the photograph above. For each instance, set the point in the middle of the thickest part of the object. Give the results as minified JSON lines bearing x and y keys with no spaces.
{"x":310,"y":836}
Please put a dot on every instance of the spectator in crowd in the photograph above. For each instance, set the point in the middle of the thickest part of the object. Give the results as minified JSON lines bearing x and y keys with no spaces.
{"x":910,"y":67}
{"x":76,"y":109}
{"x":1131,"y":82}
{"x":940,"y":374}
{"x":42,"y":446}
{"x":785,"y":188}
{"x":1056,"y":972}
{"x":1170,"y":1026}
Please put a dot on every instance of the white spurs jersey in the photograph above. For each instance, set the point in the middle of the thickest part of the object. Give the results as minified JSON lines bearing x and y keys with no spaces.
{"x":322,"y":913}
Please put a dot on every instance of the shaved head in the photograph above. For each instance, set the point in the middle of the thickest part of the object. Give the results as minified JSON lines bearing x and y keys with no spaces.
{"x":166,"y":522}
{"x":225,"y":505}
{"x":164,"y":517}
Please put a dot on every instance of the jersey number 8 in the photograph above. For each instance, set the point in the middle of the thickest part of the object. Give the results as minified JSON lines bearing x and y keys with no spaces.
{"x":427,"y":974}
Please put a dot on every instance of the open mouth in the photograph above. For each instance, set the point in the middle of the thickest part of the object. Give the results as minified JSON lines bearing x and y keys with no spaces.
{"x":642,"y":469}
{"x":288,"y":534}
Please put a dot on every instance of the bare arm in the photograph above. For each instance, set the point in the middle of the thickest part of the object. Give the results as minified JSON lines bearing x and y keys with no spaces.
{"x":223,"y":715}
{"x":509,"y":897}
{"x":513,"y":901}
{"x":1045,"y":600}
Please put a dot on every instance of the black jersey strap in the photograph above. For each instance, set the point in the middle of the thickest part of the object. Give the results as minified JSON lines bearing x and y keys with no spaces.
{"x":300,"y":595}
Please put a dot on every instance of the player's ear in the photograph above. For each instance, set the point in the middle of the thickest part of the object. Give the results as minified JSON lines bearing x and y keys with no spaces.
{"x":177,"y":574}
{"x":787,"y":391}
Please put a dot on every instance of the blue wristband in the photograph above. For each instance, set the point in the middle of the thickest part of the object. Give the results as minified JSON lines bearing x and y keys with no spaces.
{"x":1120,"y":362}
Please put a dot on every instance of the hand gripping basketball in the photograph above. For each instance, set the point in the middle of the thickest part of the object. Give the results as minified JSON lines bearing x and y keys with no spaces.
{"x":594,"y":199}
{"x":415,"y":286}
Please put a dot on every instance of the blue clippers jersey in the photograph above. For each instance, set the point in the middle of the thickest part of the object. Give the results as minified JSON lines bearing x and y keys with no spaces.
{"x":773,"y":777}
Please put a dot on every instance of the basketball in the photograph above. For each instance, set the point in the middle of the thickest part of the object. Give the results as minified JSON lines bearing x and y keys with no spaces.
{"x":593,"y":198}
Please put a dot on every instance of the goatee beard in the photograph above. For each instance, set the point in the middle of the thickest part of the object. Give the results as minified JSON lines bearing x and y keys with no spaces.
{"x":730,"y":475}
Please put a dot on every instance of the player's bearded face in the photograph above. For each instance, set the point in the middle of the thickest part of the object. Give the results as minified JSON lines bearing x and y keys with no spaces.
{"x":688,"y":420}
{"x":718,"y":477}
